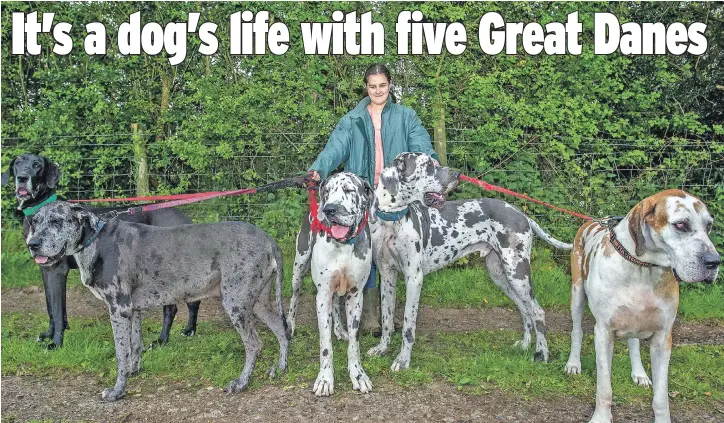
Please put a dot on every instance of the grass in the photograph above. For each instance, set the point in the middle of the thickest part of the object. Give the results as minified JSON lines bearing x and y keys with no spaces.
{"x":474,"y":362}
{"x":463,"y":285}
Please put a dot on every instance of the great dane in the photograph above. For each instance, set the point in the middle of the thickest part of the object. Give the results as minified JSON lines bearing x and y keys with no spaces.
{"x":335,"y":243}
{"x":132,"y":267}
{"x":36,"y":179}
{"x":630,"y":273}
{"x":413,"y":239}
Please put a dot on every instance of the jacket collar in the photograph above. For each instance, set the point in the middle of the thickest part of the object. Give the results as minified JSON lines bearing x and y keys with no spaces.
{"x":360,"y":111}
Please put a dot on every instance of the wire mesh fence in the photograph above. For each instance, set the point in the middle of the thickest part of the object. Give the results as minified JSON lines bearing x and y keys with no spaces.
{"x":594,"y":176}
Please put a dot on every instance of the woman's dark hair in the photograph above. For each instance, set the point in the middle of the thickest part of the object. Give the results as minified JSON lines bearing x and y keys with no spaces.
{"x":376,"y":69}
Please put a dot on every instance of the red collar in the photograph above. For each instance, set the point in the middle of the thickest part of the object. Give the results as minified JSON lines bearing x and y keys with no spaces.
{"x":317,"y":226}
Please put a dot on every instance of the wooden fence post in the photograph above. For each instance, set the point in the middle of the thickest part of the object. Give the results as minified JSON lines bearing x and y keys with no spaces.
{"x":140,"y":159}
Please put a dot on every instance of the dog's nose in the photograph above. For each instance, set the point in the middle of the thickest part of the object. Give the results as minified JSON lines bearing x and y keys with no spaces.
{"x":23,"y":178}
{"x":711,"y":260}
{"x":457,"y":174}
{"x":33,"y":243}
{"x":330,"y":209}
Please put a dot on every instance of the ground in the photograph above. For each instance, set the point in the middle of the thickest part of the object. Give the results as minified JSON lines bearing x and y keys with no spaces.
{"x":68,"y":397}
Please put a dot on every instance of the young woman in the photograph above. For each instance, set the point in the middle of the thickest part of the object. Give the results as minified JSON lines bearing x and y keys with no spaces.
{"x":366,"y":140}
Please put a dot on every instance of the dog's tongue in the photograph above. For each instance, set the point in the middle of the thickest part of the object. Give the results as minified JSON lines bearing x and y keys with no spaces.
{"x":41,"y":259}
{"x":339,"y":231}
{"x":23,"y":191}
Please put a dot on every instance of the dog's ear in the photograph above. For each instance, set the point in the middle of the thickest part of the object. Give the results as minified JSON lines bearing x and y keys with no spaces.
{"x":399,"y":163}
{"x":637,"y":220}
{"x":81,"y":216}
{"x":322,"y":198}
{"x":371,"y":201}
{"x":52,"y":173}
{"x":9,"y":172}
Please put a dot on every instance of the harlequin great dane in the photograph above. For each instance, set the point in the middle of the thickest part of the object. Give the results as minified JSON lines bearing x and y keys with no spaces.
{"x":414,"y":240}
{"x":36,"y":179}
{"x":335,"y":242}
{"x":630,"y":273}
{"x":132,"y":267}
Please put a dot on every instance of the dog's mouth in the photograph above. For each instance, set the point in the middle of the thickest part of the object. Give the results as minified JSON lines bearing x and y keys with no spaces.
{"x":708,"y":280}
{"x":46,"y":260}
{"x":23,"y":193}
{"x":434,"y":199}
{"x":340,"y":232}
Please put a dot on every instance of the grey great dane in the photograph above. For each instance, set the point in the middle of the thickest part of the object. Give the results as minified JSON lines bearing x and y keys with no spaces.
{"x":630,"y":273}
{"x":36,"y":179}
{"x":412,"y":239}
{"x":132,"y":267}
{"x":334,"y":243}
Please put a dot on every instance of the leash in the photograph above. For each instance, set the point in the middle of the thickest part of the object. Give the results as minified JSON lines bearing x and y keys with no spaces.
{"x":491,"y":187}
{"x":317,"y":226}
{"x":183,"y":199}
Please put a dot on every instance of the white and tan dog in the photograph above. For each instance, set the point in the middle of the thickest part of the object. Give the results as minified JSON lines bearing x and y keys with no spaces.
{"x":631,"y":276}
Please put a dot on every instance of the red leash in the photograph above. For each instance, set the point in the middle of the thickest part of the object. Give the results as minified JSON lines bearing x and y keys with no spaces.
{"x":318,"y":226}
{"x":150,"y":197}
{"x":491,"y":187}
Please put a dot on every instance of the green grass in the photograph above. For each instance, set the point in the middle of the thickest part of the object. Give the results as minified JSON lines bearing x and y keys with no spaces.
{"x":462,"y":285}
{"x":474,"y":362}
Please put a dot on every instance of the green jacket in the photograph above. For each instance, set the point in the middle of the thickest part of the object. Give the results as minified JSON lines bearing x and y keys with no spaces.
{"x":353,"y":142}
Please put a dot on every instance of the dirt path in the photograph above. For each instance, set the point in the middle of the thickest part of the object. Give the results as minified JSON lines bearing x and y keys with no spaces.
{"x":81,"y":303}
{"x":29,"y":397}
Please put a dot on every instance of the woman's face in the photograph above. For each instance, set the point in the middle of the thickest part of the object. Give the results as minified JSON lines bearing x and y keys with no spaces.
{"x":378,"y":88}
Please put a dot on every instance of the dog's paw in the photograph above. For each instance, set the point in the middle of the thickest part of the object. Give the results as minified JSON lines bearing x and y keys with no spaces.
{"x":641,"y":379}
{"x":541,"y":355}
{"x":400,"y":363}
{"x":360,"y":381}
{"x":324,"y":385}
{"x":291,"y":325}
{"x":111,"y":394}
{"x":573,"y":367}
{"x":53,"y":346}
{"x":235,"y":386}
{"x":379,"y":350}
{"x":341,"y":334}
{"x":188,"y":332}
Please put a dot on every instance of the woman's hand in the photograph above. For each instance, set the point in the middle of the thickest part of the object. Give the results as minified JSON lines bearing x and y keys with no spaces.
{"x":313,"y":178}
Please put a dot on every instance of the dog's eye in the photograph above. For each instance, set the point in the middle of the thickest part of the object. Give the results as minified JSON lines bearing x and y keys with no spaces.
{"x":708,"y":227}
{"x":681,"y":226}
{"x":347,"y":190}
{"x":36,"y":165}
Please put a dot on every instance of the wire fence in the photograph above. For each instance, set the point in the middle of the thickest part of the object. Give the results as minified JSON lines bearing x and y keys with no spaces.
{"x":597,"y":177}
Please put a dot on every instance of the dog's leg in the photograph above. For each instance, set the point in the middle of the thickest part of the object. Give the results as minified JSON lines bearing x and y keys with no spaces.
{"x":660,"y":355}
{"x":514,"y":280}
{"x":190,"y":329}
{"x":339,"y":330}
{"x":55,"y":295}
{"x":239,"y":305}
{"x":388,"y":283}
{"x":136,"y":342}
{"x":604,"y":356}
{"x":51,"y":322}
{"x":169,"y":313}
{"x":578,"y":305}
{"x":121,"y":323}
{"x":263,"y":310}
{"x":324,"y":385}
{"x":360,"y":381}
{"x":302,"y":262}
{"x":638,"y":373}
{"x":413,"y":285}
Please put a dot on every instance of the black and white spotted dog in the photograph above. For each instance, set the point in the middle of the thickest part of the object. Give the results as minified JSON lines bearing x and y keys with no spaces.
{"x":132,"y":267}
{"x":36,"y":179}
{"x":335,"y":243}
{"x":414,"y":240}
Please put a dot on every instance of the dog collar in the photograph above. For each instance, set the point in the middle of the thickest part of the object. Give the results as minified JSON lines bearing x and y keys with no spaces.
{"x":92,"y":238}
{"x":392,"y":216}
{"x":29,"y":211}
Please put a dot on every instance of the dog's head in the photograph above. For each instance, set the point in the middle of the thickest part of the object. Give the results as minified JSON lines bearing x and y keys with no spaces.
{"x":414,"y":177}
{"x":678,"y":224}
{"x":344,"y":200}
{"x":35,"y":176}
{"x":57,"y":230}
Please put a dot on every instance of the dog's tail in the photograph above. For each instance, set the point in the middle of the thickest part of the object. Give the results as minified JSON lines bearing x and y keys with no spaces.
{"x":279,"y":282}
{"x":548,"y":237}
